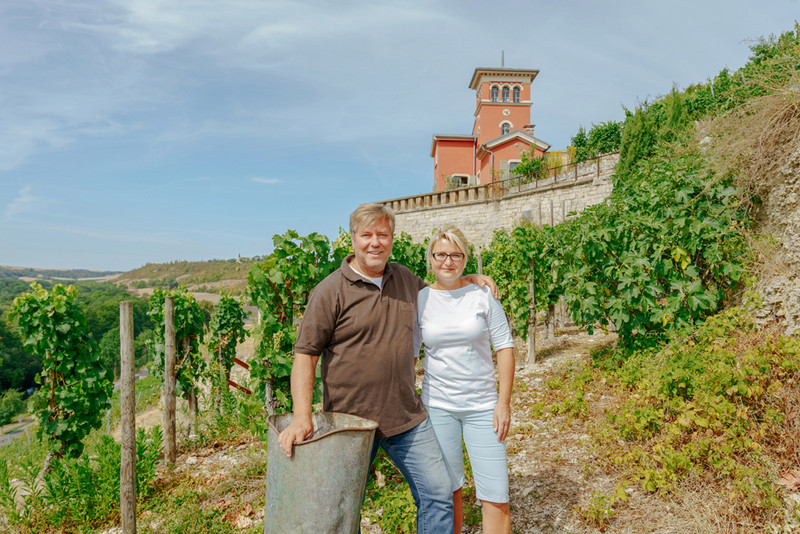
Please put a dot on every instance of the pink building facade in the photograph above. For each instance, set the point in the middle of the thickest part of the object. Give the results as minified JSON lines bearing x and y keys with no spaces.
{"x":501,"y":133}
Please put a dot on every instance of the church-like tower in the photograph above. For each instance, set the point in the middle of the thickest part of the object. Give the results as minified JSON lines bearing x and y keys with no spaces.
{"x":501,"y":132}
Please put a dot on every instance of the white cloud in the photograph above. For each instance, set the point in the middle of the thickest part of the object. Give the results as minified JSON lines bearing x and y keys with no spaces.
{"x":266,"y":180}
{"x":24,"y":202}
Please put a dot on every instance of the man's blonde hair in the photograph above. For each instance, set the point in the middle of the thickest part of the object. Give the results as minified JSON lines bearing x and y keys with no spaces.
{"x":367,"y":214}
{"x":452,"y":234}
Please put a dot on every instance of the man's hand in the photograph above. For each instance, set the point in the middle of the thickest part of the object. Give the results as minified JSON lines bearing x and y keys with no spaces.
{"x":482,"y":280}
{"x":302,"y":390}
{"x":298,"y":430}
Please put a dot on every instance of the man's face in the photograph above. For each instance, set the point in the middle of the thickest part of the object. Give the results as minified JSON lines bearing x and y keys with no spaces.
{"x":373,"y":246}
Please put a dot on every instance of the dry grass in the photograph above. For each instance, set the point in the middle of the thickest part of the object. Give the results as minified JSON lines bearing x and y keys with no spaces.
{"x":750,"y":141}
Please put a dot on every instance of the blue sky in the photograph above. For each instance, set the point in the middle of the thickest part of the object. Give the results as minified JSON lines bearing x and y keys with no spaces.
{"x":138,"y":131}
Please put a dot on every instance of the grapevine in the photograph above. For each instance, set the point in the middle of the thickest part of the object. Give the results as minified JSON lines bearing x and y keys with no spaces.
{"x":75,"y":389}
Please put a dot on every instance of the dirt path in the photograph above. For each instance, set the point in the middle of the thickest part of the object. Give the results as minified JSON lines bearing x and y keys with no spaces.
{"x":547,"y":455}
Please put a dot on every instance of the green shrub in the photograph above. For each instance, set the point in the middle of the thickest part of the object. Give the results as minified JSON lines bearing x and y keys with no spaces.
{"x":602,"y":138}
{"x":712,"y":403}
{"x":85,"y":491}
{"x":11,"y":404}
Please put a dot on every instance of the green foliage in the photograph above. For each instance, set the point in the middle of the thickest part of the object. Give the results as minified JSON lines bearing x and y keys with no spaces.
{"x":75,"y":389}
{"x":17,"y":510}
{"x":226,"y":331}
{"x":513,"y":258}
{"x":638,"y":140}
{"x":11,"y":404}
{"x":392,"y":505}
{"x":713,"y":402}
{"x":18,"y":369}
{"x":101,"y":302}
{"x":189,"y":328}
{"x":9,"y":289}
{"x":599,"y":511}
{"x":82,"y":492}
{"x":399,"y":511}
{"x":602,"y":138}
{"x":280,"y":286}
{"x":660,"y":255}
{"x":109,"y":347}
{"x":532,"y":168}
{"x":142,"y":347}
{"x":51,"y":274}
{"x":412,"y":255}
{"x":671,"y":118}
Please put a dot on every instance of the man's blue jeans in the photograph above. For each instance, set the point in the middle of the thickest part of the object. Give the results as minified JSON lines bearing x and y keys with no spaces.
{"x":417,"y":455}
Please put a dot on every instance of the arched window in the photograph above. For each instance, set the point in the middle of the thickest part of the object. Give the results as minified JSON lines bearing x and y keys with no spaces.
{"x":516,"y":94}
{"x":505,"y":128}
{"x":494,"y":94}
{"x":505,"y":94}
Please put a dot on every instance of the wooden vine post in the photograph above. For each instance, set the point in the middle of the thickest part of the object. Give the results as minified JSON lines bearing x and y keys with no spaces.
{"x":532,"y":321}
{"x":169,"y":381}
{"x":127,"y":473}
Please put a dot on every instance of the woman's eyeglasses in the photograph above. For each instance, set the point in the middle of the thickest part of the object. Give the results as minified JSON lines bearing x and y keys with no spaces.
{"x":442,"y":256}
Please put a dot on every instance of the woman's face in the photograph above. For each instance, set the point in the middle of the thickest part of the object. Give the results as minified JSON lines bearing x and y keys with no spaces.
{"x":451,"y":267}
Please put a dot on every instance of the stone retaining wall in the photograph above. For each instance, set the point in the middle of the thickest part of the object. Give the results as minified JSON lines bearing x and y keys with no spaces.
{"x":479,"y":211}
{"x":779,"y":217}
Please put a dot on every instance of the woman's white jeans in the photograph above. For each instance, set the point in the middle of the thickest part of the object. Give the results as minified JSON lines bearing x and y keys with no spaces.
{"x":487,"y":456}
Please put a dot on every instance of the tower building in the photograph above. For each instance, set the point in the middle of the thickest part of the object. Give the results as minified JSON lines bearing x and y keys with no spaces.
{"x":502,"y":131}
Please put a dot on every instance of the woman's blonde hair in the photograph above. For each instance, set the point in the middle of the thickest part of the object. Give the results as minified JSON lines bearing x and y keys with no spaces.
{"x":452,"y":234}
{"x":367,"y":214}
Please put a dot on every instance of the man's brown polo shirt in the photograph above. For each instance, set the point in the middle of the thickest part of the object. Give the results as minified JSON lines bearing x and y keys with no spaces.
{"x":364,"y":335}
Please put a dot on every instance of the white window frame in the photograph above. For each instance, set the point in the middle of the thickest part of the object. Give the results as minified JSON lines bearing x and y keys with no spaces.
{"x":463,"y":179}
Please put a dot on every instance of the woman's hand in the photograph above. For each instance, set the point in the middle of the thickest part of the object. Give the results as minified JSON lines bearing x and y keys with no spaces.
{"x":502,"y":420}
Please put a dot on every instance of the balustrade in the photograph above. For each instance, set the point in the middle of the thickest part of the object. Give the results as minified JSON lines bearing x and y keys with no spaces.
{"x":593,"y":168}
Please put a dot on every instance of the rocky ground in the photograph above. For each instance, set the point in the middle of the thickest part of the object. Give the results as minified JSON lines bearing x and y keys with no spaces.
{"x":554,"y":481}
{"x":546,"y":455}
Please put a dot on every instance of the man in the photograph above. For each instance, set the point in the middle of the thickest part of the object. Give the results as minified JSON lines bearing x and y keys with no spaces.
{"x":361,"y":319}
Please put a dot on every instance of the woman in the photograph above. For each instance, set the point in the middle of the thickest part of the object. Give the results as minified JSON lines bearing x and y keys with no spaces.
{"x":459,"y":324}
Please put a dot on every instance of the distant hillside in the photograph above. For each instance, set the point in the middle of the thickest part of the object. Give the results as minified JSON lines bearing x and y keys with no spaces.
{"x":211,"y":276}
{"x":30,"y":273}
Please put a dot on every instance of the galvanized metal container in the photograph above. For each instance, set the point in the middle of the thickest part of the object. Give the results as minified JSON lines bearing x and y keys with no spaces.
{"x":320,"y":488}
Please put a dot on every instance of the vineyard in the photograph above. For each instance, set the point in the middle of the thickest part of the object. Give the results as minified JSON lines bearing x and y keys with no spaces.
{"x":697,"y":395}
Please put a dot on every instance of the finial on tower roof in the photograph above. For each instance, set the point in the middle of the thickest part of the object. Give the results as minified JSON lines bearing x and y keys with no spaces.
{"x":502,"y":59}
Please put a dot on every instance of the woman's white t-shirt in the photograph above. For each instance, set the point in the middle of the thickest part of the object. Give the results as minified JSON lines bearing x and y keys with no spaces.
{"x":459,"y":328}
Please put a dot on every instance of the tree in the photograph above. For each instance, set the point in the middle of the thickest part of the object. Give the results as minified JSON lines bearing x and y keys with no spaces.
{"x":11,"y":404}
{"x":532,"y":167}
{"x":17,"y":368}
{"x":601,"y":139}
{"x":109,"y":347}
